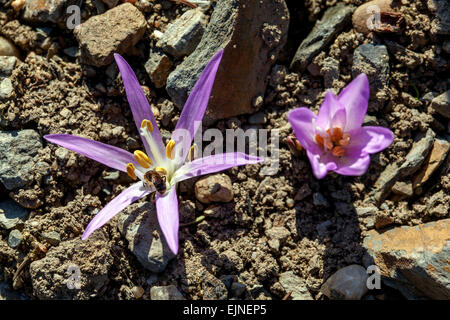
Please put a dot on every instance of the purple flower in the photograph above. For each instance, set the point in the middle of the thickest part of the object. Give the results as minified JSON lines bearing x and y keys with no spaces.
{"x":161,"y":167}
{"x":335,"y":139}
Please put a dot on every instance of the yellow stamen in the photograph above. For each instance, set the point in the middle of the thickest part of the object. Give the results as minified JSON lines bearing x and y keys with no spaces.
{"x":161,"y":170}
{"x":169,"y":149}
{"x":147,"y":123}
{"x":143,"y":159}
{"x":130,"y":171}
{"x":338,"y":151}
{"x":320,"y":140}
{"x":192,"y":152}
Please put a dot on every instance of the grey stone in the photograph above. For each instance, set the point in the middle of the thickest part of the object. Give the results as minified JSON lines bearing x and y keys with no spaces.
{"x":348,"y":283}
{"x":320,"y":201}
{"x":11,"y":214}
{"x":441,"y":104}
{"x":113,"y":175}
{"x":257,"y":118}
{"x":333,"y":21}
{"x":165,"y":293}
{"x":252,"y":33}
{"x":167,"y":112}
{"x":373,"y":60}
{"x":184,"y":34}
{"x":17,"y":152}
{"x":6,"y":89}
{"x":52,"y":237}
{"x":8,"y":293}
{"x":114,"y":31}
{"x":158,"y":67}
{"x":138,"y":224}
{"x":237,"y":289}
{"x":441,"y":10}
{"x":213,"y":288}
{"x":50,"y":11}
{"x":15,"y":238}
{"x":72,"y":52}
{"x":7,"y":65}
{"x":294,"y":284}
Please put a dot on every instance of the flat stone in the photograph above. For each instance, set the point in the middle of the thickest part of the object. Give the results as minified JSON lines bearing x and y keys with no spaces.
{"x":363,"y":17}
{"x":333,"y":22}
{"x":373,"y":60}
{"x":413,"y":259}
{"x":15,"y":238}
{"x":114,"y":31}
{"x":441,"y":104}
{"x":403,"y":188}
{"x":252,"y":33}
{"x":294,"y":284}
{"x":139,"y":224}
{"x":76,"y":269}
{"x":17,"y":152}
{"x":278,"y":233}
{"x":11,"y":214}
{"x":6,"y":89}
{"x":7,"y":48}
{"x":52,"y":237}
{"x":214,"y":188}
{"x":165,"y":293}
{"x":7,"y":65}
{"x":348,"y":283}
{"x":434,"y":160}
{"x":158,"y":67}
{"x":47,"y":11}
{"x":441,"y":10}
{"x":184,"y":34}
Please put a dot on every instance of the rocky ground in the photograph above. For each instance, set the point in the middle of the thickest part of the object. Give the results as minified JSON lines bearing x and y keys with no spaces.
{"x":244,"y":235}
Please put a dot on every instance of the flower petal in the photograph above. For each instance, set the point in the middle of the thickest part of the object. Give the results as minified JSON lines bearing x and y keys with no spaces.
{"x":113,"y":157}
{"x":327,"y":110}
{"x":124,"y":199}
{"x":355,"y":98}
{"x":302,"y":122}
{"x":369,"y":140}
{"x":214,"y":163}
{"x":168,"y":217}
{"x":339,"y":119}
{"x":138,"y":103}
{"x":194,"y":108}
{"x":352,"y":165}
{"x":320,"y":164}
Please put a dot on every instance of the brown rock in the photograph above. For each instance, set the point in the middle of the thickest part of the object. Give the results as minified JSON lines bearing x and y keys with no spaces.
{"x":114,"y":31}
{"x":403,"y":188}
{"x":215,"y":188}
{"x":382,"y":220}
{"x":363,"y":17}
{"x":7,"y":48}
{"x":414,"y":259}
{"x":252,"y":33}
{"x":158,"y":67}
{"x":436,"y":157}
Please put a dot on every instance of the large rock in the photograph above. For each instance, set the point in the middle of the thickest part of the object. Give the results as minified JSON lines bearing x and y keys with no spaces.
{"x":75,"y":269}
{"x":138,"y":224}
{"x":252,"y":33}
{"x":441,"y":10}
{"x":184,"y":34}
{"x":348,"y":283}
{"x":333,"y":22}
{"x":114,"y":31}
{"x":413,"y":259}
{"x":17,"y":152}
{"x":373,"y":60}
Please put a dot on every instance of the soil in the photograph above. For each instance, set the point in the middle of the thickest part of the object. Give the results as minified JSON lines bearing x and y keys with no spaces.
{"x":55,"y":93}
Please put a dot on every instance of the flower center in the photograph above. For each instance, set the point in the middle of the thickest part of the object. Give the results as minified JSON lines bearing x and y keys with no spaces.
{"x":334,"y":140}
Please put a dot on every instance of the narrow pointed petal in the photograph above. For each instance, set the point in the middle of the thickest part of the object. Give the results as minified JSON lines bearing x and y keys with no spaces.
{"x":124,"y":199}
{"x":214,"y":163}
{"x":302,"y":122}
{"x":138,"y":102}
{"x":355,"y":98}
{"x":327,"y":110}
{"x":168,"y":217}
{"x":339,"y":119}
{"x":320,"y":164}
{"x":106,"y":154}
{"x":194,"y":108}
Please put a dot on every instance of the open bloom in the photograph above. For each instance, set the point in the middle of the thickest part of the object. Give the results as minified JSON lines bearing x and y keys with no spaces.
{"x":334,"y":139}
{"x":160,"y":167}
